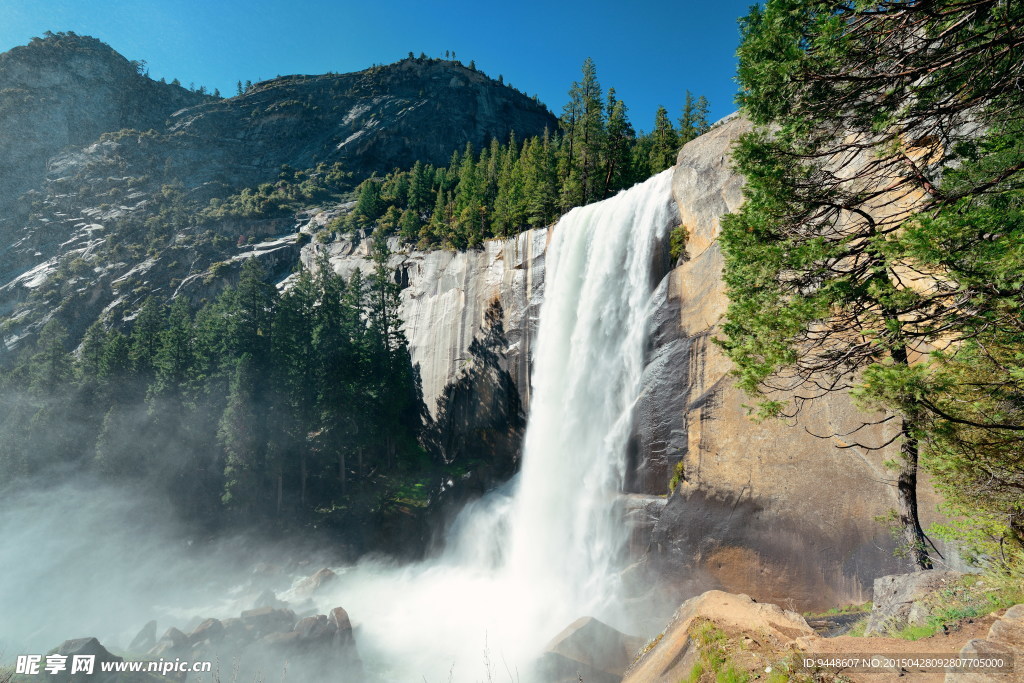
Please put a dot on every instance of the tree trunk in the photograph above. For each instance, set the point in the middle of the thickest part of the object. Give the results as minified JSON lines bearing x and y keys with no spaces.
{"x":906,"y":486}
{"x":913,"y":534}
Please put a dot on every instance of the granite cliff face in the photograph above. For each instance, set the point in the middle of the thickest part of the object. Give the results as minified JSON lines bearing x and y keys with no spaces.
{"x":781,"y":510}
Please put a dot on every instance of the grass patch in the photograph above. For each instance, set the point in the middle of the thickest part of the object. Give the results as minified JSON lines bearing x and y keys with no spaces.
{"x":723,"y":658}
{"x":970,"y":597}
{"x":714,"y":659}
{"x":858,"y":629}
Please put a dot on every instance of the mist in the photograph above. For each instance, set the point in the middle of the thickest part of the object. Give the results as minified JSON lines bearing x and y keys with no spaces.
{"x":83,"y":558}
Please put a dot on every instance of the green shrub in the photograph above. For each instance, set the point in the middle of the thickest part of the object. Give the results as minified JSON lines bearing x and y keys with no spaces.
{"x":677,"y":241}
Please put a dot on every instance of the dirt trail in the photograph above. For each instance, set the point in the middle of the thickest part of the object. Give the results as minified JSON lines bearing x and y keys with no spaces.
{"x":944,"y":645}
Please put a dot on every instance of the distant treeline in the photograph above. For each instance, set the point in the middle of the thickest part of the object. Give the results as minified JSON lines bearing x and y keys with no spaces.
{"x":301,"y":407}
{"x":506,"y":188}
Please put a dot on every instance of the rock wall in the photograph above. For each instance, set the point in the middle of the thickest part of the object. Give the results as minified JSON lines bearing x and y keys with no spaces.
{"x":446,"y":296}
{"x":767,"y":509}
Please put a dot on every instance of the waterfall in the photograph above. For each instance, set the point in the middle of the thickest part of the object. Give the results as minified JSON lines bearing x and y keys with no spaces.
{"x":526,"y":560}
{"x":565,"y":528}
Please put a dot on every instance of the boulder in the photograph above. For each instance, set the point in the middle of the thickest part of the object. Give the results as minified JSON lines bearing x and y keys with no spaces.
{"x":83,"y":647}
{"x":172,"y":643}
{"x":278,"y":641}
{"x":314,"y":634}
{"x":1009,"y":629}
{"x":235,"y":632}
{"x":1005,"y":640}
{"x":587,"y":648}
{"x":269,"y":599}
{"x":209,"y":631}
{"x":145,"y":639}
{"x":311,"y":584}
{"x":342,"y":624}
{"x":672,"y":656}
{"x":267,"y":620}
{"x":900,"y":599}
{"x":315,"y":631}
{"x":345,"y":641}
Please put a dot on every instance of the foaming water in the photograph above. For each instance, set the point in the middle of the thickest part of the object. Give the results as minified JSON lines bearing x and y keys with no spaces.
{"x":528,"y":559}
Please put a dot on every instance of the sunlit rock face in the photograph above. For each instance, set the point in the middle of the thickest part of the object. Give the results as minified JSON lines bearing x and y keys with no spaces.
{"x":767,"y":509}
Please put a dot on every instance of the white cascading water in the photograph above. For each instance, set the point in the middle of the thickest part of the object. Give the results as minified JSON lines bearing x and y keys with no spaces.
{"x":525,"y":561}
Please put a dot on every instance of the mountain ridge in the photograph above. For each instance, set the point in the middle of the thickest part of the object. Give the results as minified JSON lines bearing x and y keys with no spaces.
{"x":123,"y":197}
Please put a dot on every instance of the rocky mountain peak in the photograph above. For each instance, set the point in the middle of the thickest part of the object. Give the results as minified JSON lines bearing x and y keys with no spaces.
{"x":65,"y":90}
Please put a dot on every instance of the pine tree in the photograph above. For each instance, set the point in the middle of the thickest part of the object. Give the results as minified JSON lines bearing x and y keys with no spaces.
{"x":510,"y":203}
{"x":664,"y":142}
{"x":239,"y":433}
{"x":620,"y":138}
{"x":591,"y":134}
{"x":369,"y":204}
{"x":420,"y":190}
{"x":540,"y":191}
{"x":251,"y":314}
{"x":145,"y":339}
{"x":409,"y":225}
{"x":175,"y":358}
{"x":694,"y":120}
{"x":469,"y":228}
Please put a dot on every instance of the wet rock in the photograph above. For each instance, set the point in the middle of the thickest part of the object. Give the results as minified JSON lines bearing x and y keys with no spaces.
{"x":587,"y":648}
{"x":750,"y":514}
{"x":899,"y":599}
{"x":280,"y":641}
{"x":269,"y":599}
{"x":145,"y":639}
{"x":235,"y":632}
{"x":83,"y":647}
{"x":339,"y":617}
{"x":209,"y":631}
{"x":345,"y":641}
{"x":173,"y":642}
{"x":311,"y":584}
{"x":316,"y":631}
{"x":267,"y":620}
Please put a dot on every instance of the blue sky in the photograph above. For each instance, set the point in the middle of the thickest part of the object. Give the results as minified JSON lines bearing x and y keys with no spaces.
{"x":649,"y":51}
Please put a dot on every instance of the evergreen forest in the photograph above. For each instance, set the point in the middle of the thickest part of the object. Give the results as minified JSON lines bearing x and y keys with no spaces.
{"x":515,"y":185}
